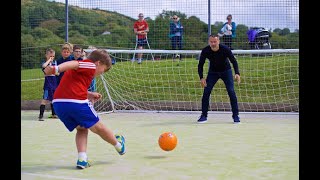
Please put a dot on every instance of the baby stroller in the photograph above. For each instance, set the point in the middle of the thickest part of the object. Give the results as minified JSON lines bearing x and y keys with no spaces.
{"x":259,"y":38}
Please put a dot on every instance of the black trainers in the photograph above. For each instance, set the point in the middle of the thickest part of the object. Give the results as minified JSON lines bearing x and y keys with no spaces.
{"x":40,"y":118}
{"x":202,"y":119}
{"x":236,"y":120}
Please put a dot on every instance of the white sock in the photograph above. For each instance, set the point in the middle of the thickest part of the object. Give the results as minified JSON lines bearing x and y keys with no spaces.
{"x":118,"y":146}
{"x":82,"y":155}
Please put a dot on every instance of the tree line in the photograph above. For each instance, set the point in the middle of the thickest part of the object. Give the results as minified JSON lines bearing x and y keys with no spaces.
{"x":43,"y":26}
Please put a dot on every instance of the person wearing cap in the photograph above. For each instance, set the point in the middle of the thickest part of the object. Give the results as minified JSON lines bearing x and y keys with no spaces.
{"x":141,"y":29}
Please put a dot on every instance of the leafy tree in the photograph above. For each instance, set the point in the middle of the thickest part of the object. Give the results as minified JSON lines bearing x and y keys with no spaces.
{"x":285,"y":31}
{"x":52,"y":25}
{"x":40,"y":33}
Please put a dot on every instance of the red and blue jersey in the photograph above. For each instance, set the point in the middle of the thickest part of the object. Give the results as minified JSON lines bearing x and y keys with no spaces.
{"x":74,"y":83}
{"x":92,"y":86}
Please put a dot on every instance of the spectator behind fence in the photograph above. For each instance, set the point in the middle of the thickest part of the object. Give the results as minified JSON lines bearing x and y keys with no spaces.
{"x":176,"y":32}
{"x":228,"y":32}
{"x":141,"y":29}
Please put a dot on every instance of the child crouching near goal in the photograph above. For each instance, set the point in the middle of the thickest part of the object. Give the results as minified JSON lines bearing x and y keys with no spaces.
{"x":72,"y":104}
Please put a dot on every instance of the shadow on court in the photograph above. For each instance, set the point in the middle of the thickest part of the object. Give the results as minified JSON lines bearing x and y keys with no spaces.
{"x":48,"y":168}
{"x":155,"y":157}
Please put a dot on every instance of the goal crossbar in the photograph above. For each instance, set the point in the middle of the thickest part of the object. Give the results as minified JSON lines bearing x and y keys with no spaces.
{"x":154,"y":51}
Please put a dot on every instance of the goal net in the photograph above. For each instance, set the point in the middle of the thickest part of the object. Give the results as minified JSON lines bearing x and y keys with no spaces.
{"x":167,"y":80}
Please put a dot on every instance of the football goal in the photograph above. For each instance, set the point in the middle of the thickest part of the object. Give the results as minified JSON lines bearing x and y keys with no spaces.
{"x":269,"y":82}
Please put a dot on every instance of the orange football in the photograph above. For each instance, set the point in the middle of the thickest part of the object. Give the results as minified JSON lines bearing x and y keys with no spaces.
{"x":167,"y":141}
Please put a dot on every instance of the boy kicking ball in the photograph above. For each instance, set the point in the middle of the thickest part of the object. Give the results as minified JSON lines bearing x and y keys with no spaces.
{"x":72,"y":102}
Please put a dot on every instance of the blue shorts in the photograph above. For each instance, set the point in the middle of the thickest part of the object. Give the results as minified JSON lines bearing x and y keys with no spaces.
{"x":74,"y":114}
{"x":142,"y":42}
{"x":48,"y":94}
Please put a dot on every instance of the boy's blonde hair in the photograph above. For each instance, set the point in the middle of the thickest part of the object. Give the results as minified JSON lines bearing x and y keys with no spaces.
{"x":67,"y":46}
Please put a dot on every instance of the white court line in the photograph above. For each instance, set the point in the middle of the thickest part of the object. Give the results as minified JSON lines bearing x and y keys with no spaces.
{"x":50,"y":176}
{"x":25,"y":80}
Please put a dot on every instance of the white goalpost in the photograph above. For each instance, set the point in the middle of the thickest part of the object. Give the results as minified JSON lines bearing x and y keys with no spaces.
{"x":269,"y":82}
